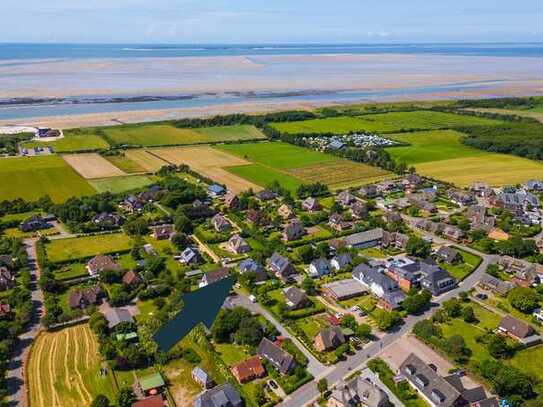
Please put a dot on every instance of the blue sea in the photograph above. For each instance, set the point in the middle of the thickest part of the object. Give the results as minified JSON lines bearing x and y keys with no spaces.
{"x":39,"y":51}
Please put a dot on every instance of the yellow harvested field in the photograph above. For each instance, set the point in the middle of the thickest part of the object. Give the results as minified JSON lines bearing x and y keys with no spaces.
{"x":92,"y":165}
{"x":340,"y":173}
{"x":495,"y":169}
{"x":64,"y":369}
{"x":210,"y":163}
{"x":145,"y":159}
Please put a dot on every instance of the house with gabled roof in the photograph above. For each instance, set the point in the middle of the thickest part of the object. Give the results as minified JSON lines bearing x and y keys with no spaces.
{"x":280,"y":359}
{"x":101,"y":263}
{"x":515,"y":328}
{"x":285,"y":211}
{"x":83,"y":297}
{"x":341,"y":261}
{"x":231,"y":201}
{"x":328,"y":339}
{"x":358,"y":392}
{"x":223,"y":395}
{"x":295,"y":298}
{"x":220,"y":223}
{"x":449,"y":255}
{"x":162,"y":232}
{"x":359,"y":210}
{"x":191,"y":255}
{"x":345,"y":198}
{"x":319,"y":267}
{"x":131,"y":204}
{"x":213,"y":276}
{"x":248,"y":370}
{"x":201,"y":377}
{"x":6,"y":279}
{"x":281,"y":266}
{"x":237,"y":245}
{"x":293,"y":230}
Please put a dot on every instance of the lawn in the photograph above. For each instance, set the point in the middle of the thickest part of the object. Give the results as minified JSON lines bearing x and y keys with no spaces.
{"x":31,"y":178}
{"x":165,"y":134}
{"x":231,"y":353}
{"x":119,"y":185}
{"x":441,"y":155}
{"x":383,"y":123}
{"x":64,"y":369}
{"x":62,"y":250}
{"x":72,"y":143}
{"x":125,"y":164}
{"x":71,"y":271}
{"x":264,"y":176}
{"x":462,"y":270}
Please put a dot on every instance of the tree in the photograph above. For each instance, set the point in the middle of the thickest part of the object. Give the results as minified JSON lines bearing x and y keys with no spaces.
{"x":341,"y":350}
{"x":322,"y":385}
{"x":100,"y":401}
{"x":249,"y":332}
{"x":348,"y":321}
{"x":183,"y":223}
{"x":309,"y":286}
{"x":456,"y":346}
{"x":417,"y":302}
{"x":126,"y":397}
{"x":136,"y":227}
{"x":468,"y":315}
{"x":304,"y":253}
{"x":386,"y":320}
{"x":363,"y":331}
{"x":418,"y":247}
{"x":524,"y":299}
{"x":452,"y":307}
{"x":426,"y":329}
{"x":497,"y":346}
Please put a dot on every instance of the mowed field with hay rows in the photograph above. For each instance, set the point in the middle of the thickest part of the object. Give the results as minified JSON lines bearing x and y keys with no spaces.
{"x":383,"y":123}
{"x":72,"y":143}
{"x":31,"y":178}
{"x":149,"y":135}
{"x":92,"y":165}
{"x":64,"y":369}
{"x":62,"y":250}
{"x":441,"y":155}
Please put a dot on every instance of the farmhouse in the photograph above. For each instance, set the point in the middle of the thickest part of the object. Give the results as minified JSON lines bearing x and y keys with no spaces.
{"x":238,"y":245}
{"x":224,"y":395}
{"x":101,"y":263}
{"x":248,"y":370}
{"x":358,"y":391}
{"x":214,"y":276}
{"x":295,"y":298}
{"x":344,"y":289}
{"x":329,"y":338}
{"x":283,"y":361}
{"x":361,"y":240}
{"x":201,"y":377}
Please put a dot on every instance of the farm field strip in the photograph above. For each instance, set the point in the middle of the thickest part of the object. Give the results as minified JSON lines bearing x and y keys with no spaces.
{"x":92,"y":165}
{"x":31,"y":178}
{"x":119,"y":185}
{"x":146,"y":160}
{"x":71,"y":143}
{"x":63,"y":369}
{"x":264,"y":176}
{"x":125,"y":164}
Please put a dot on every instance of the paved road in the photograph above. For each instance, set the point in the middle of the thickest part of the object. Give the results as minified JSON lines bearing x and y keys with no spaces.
{"x":314,"y":367}
{"x":15,"y":375}
{"x":309,"y":392}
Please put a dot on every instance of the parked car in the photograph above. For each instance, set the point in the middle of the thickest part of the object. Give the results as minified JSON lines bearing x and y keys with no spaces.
{"x":273,"y":384}
{"x":252,"y":298}
{"x":481,"y":296}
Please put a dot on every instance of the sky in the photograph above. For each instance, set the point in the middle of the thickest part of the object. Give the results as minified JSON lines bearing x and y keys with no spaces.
{"x":271,"y":21}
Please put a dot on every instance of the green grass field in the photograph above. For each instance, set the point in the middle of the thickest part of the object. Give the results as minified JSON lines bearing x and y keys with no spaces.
{"x":164,"y":134}
{"x":63,"y":369}
{"x":440,"y":154}
{"x":383,"y":123}
{"x":125,"y":164}
{"x":31,"y":178}
{"x":72,"y":143}
{"x":264,"y":176}
{"x":118,"y":185}
{"x":62,"y":250}
{"x":464,"y":269}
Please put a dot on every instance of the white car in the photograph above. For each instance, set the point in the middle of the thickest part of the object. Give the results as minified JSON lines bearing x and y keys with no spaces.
{"x":252,"y":298}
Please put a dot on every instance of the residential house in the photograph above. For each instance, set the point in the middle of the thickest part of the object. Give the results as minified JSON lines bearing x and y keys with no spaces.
{"x":152,"y":401}
{"x":479,"y":220}
{"x":149,"y":249}
{"x":6,"y":261}
{"x":266,"y":195}
{"x":498,"y":234}
{"x":295,"y":298}
{"x":429,"y":226}
{"x":220,"y":223}
{"x":439,"y":391}
{"x":336,"y":144}
{"x":453,"y":233}
{"x":319,"y":267}
{"x":34,"y":223}
{"x":359,"y":210}
{"x":201,"y":377}
{"x":215,"y":190}
{"x":257,"y":217}
{"x":237,"y":245}
{"x":449,"y":255}
{"x":5,"y":310}
{"x":345,"y":198}
{"x":131,"y":278}
{"x":368,"y":191}
{"x":479,"y":188}
{"x":341,"y":261}
{"x":107,"y":220}
{"x":224,"y":395}
{"x":251,"y":266}
{"x":116,"y":316}
{"x":538,"y":315}
{"x":436,"y":280}
{"x":213,"y":276}
{"x":311,"y":205}
{"x":392,"y":217}
{"x":495,"y":285}
{"x":131,"y":204}
{"x":83,"y":297}
{"x":248,"y":370}
{"x":190,"y":255}
{"x":344,"y":289}
{"x":162,"y":232}
{"x":361,"y":240}
{"x":294,"y":230}
{"x":387,"y":187}
{"x":280,"y":359}
{"x":337,"y":223}
{"x":515,"y":328}
{"x":381,"y":285}
{"x":534,"y":185}
{"x":406,"y":272}
{"x":285,"y":211}
{"x":6,"y":279}
{"x":281,"y":266}
{"x":358,"y":392}
{"x":413,"y":181}
{"x":153,"y":194}
{"x":231,"y":201}
{"x":396,"y":240}
{"x":328,"y":339}
{"x":461,"y":198}
{"x":418,"y":202}
{"x":151,"y":384}
{"x":101,"y":263}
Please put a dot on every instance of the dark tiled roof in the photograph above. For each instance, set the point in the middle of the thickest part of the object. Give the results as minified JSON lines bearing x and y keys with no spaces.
{"x":280,"y":359}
